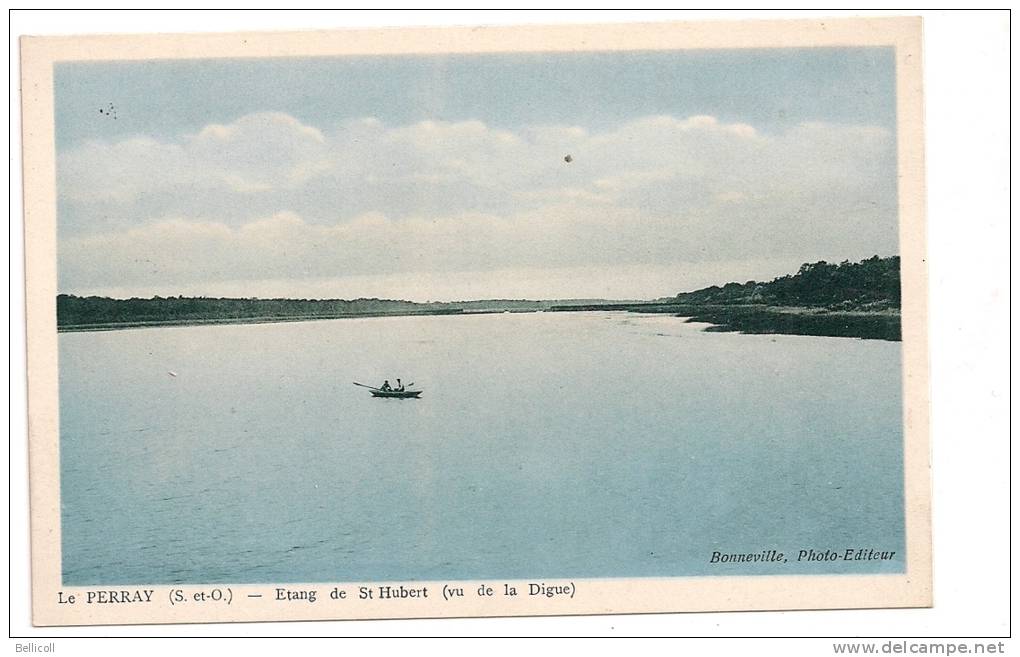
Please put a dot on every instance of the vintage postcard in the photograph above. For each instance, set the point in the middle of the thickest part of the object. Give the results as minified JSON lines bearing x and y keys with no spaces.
{"x":476,"y":322}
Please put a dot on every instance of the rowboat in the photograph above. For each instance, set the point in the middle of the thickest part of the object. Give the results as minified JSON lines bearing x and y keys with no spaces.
{"x":391,"y":394}
{"x":397,"y":394}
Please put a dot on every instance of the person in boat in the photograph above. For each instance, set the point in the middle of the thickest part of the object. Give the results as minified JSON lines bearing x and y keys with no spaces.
{"x":400,"y":386}
{"x":386,"y":386}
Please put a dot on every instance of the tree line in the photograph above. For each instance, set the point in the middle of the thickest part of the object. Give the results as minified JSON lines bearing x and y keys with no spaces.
{"x":870,"y":284}
{"x":81,"y":311}
{"x":93,"y":310}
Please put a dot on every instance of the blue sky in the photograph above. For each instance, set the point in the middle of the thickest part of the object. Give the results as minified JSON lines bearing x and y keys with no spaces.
{"x":689,"y":168}
{"x":770,"y":89}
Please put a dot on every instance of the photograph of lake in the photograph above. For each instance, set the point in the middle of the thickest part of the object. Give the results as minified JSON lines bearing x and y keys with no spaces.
{"x":585,"y":445}
{"x":478,"y":316}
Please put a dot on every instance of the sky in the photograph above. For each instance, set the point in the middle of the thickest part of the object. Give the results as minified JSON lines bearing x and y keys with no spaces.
{"x":446,"y":177}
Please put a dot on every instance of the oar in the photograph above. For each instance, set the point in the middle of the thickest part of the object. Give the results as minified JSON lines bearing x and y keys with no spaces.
{"x":364,"y":386}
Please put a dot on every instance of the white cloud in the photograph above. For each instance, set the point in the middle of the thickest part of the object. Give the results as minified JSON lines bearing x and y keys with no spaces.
{"x":266,"y":197}
{"x":257,"y":152}
{"x":613,"y":282}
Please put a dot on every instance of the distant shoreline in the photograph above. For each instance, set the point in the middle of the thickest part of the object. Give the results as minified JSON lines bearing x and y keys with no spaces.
{"x":778,"y":320}
{"x":215,"y":321}
{"x":748,"y":319}
{"x":866,"y":325}
{"x":845,"y":300}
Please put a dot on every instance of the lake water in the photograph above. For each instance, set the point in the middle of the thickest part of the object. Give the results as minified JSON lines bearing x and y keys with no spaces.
{"x":545,"y":445}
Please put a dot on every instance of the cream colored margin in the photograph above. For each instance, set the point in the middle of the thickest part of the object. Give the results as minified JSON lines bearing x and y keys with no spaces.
{"x":38,"y":55}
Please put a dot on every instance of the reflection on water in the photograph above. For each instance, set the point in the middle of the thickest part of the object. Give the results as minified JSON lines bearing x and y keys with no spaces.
{"x":544,"y":445}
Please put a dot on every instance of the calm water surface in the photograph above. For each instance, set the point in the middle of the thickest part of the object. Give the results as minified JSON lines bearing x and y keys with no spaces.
{"x":545,"y":445}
